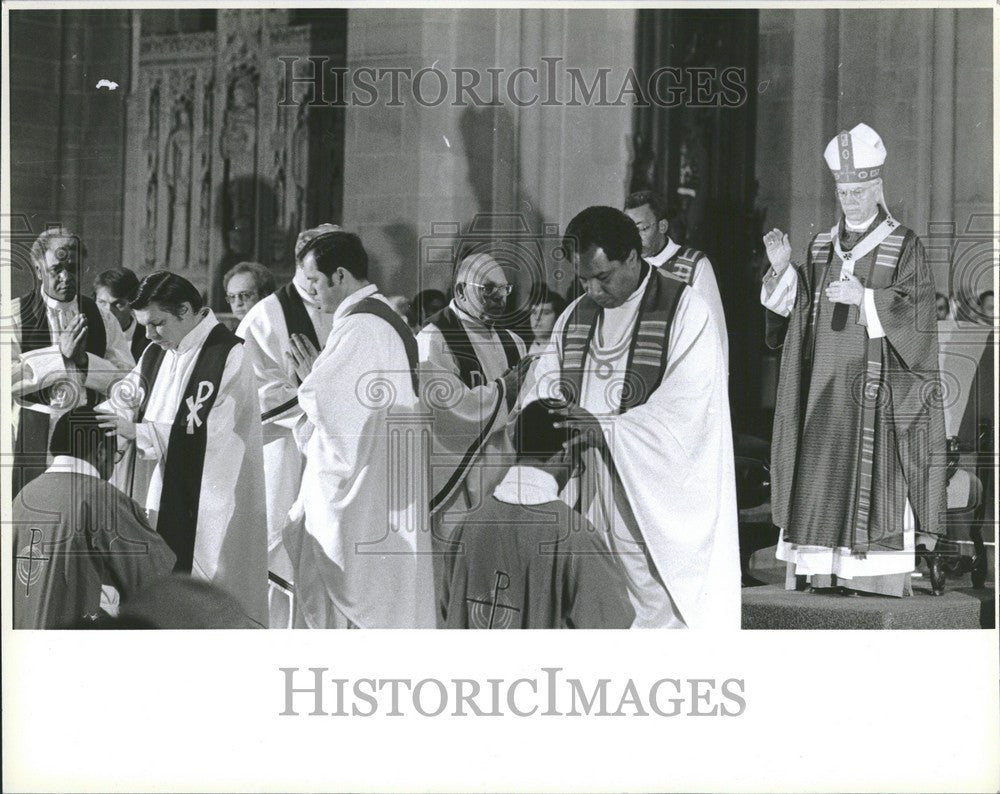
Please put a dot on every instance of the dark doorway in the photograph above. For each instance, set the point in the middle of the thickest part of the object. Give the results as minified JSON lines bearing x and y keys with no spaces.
{"x":699,"y":154}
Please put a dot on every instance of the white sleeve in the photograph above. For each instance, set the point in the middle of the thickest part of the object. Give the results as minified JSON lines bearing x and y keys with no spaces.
{"x":868,"y":316}
{"x":124,"y":398}
{"x":707,"y":287}
{"x":36,"y":369}
{"x":277,"y":391}
{"x":459,"y":411}
{"x":778,"y":294}
{"x":104,"y":371}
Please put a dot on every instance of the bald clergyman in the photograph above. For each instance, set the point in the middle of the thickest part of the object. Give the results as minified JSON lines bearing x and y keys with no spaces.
{"x":471,"y":372}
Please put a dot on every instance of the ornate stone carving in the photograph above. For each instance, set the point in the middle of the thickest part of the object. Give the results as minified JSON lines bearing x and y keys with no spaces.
{"x":177,"y":168}
{"x":205,"y":172}
{"x":172,"y":48}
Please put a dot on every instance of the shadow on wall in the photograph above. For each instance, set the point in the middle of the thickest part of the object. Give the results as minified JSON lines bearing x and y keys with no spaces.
{"x":508,"y":223}
{"x":252,"y":228}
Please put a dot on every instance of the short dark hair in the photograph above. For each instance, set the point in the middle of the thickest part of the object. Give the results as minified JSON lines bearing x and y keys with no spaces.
{"x":643,"y":197}
{"x":338,"y":249}
{"x":606,"y":228}
{"x":121,"y":282}
{"x":168,"y":291}
{"x":77,"y":433}
{"x":262,"y":277}
{"x":546,"y":295}
{"x":940,"y":296}
{"x":535,"y":434}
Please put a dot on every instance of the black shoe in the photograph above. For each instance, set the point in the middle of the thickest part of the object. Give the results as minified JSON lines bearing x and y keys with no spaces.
{"x":937,"y":573}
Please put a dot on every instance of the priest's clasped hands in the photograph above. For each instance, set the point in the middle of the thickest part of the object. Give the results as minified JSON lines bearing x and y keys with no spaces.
{"x":302,"y":355}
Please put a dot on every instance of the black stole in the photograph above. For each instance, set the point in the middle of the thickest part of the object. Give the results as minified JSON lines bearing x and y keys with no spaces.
{"x":470,"y":369}
{"x":177,"y":520}
{"x":385,"y":312}
{"x":297,"y":319}
{"x":139,"y":341}
{"x":647,"y":356}
{"x":32,"y":439}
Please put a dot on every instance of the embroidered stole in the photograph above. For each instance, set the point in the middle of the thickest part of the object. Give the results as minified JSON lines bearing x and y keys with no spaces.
{"x":682,"y":264}
{"x":177,"y":520}
{"x":647,"y":356}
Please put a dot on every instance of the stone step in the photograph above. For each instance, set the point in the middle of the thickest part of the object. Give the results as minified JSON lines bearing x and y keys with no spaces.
{"x":773,"y":607}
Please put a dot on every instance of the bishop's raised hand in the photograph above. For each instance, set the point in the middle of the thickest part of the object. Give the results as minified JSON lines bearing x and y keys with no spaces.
{"x":779,"y":250}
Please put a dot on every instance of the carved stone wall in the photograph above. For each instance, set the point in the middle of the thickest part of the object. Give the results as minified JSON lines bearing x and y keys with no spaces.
{"x":216,"y":171}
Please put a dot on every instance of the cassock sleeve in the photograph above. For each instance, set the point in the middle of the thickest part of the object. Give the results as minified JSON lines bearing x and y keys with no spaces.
{"x":38,"y":368}
{"x":277,"y":391}
{"x":706,"y":285}
{"x":905,"y":309}
{"x":151,"y":438}
{"x":781,"y":297}
{"x":117,"y":360}
{"x":686,"y":512}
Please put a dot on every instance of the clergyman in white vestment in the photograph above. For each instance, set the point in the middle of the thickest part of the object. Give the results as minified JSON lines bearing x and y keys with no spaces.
{"x":190,"y":407}
{"x":357,"y":536}
{"x":638,"y":359}
{"x":289,"y":317}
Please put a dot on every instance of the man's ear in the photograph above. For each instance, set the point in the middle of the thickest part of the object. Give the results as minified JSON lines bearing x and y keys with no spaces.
{"x":663,"y":225}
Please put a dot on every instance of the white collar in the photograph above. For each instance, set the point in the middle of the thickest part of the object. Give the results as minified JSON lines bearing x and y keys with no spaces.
{"x":467,"y":318}
{"x":658,"y":260}
{"x":63,"y":463}
{"x":307,"y":299}
{"x":196,"y":337}
{"x":59,"y":306}
{"x":860,"y":227}
{"x":355,"y":297}
{"x":526,"y":485}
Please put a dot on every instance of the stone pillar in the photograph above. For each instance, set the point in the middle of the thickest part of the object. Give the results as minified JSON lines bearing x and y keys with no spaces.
{"x":921,"y":78}
{"x":415,"y":174}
